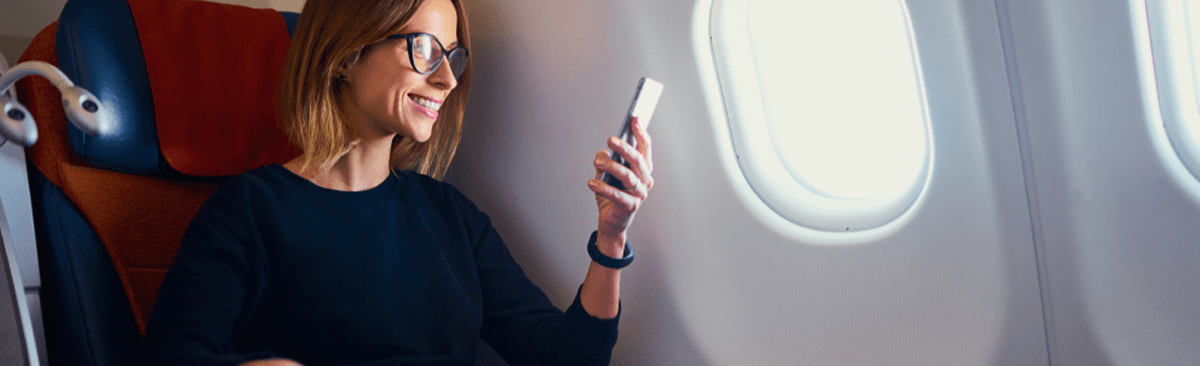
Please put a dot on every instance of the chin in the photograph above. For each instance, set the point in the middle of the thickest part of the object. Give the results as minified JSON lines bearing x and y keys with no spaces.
{"x":422,"y":136}
{"x":418,"y":128}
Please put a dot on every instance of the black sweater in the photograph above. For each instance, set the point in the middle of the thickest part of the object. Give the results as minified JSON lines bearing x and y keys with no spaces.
{"x":406,"y":273}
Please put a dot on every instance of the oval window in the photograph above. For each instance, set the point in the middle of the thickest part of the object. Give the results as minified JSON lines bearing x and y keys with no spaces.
{"x":1175,"y":41}
{"x":826,"y":107}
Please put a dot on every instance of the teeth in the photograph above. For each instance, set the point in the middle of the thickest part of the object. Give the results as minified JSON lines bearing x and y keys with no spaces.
{"x":428,"y":104}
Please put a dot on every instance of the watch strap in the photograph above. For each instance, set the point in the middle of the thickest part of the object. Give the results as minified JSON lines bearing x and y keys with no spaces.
{"x":604,"y":260}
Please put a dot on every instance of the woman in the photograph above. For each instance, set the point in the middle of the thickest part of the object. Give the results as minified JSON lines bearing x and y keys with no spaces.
{"x":352,"y":253}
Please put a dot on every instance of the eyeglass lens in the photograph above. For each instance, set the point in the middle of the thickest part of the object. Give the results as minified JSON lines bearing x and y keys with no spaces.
{"x":427,"y":55}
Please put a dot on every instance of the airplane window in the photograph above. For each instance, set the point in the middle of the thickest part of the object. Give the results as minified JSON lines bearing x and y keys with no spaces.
{"x":1175,"y":41}
{"x":826,"y":106}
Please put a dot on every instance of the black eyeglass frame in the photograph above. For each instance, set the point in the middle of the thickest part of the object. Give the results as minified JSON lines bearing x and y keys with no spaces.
{"x":412,"y":56}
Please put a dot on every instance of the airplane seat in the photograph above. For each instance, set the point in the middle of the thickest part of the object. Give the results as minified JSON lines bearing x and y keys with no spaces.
{"x":192,"y":85}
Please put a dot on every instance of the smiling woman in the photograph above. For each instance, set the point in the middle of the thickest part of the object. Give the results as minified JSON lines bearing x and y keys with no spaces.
{"x":355,"y":252}
{"x":320,"y":87}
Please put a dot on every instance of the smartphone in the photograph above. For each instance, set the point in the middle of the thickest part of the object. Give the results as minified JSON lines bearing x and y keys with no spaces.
{"x":645,"y":98}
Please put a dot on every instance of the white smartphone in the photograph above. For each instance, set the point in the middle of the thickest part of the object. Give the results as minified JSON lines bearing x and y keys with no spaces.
{"x":645,"y":98}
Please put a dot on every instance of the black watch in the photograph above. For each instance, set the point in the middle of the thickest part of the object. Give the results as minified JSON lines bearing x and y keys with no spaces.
{"x":604,"y":260}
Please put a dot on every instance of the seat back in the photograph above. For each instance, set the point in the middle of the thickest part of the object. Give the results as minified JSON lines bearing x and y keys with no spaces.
{"x":192,"y":85}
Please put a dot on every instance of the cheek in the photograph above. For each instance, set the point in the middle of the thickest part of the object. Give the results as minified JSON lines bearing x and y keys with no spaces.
{"x":404,"y":85}
{"x":381,"y":90}
{"x":377,"y":93}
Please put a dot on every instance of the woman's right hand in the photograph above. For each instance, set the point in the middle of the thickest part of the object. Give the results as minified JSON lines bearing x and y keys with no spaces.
{"x":271,"y":362}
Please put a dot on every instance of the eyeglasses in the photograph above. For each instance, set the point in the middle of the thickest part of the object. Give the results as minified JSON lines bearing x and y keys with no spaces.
{"x":425,"y":53}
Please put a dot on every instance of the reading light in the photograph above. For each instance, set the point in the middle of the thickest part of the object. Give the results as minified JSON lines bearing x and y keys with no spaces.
{"x":82,"y":108}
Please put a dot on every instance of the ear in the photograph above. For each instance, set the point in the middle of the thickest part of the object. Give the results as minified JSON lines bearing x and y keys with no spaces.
{"x":349,"y":62}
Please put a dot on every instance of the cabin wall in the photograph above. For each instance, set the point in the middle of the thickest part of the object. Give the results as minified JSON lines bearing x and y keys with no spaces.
{"x":720,"y":278}
{"x":1118,"y":210}
{"x":20,"y":20}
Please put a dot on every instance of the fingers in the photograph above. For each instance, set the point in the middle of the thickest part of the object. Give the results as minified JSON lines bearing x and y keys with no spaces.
{"x":622,"y":199}
{"x":599,"y":156}
{"x":636,"y":178}
{"x":633,"y":184}
{"x":636,"y":159}
{"x":638,"y":166}
{"x":642,"y":137}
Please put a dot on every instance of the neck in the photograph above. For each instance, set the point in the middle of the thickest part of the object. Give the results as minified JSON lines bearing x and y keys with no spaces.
{"x":363,"y":166}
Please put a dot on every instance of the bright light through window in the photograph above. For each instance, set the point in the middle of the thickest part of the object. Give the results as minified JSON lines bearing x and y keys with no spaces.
{"x":841,"y":93}
{"x":1175,"y":40}
{"x":826,"y":107}
{"x":1190,"y":128}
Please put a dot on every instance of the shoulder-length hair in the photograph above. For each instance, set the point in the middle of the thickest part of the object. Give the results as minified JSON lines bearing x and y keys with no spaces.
{"x":313,"y":102}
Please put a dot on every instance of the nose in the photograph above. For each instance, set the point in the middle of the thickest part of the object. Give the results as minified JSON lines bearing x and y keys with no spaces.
{"x":443,"y":77}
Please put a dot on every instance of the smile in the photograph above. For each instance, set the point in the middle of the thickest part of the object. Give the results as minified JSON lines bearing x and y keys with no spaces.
{"x":427,"y":106}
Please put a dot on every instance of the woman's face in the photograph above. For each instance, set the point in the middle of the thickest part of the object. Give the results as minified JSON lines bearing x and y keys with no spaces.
{"x":392,"y":98}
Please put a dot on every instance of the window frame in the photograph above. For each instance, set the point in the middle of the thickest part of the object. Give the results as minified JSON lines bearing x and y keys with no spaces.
{"x":1176,"y":82}
{"x":764,"y":170}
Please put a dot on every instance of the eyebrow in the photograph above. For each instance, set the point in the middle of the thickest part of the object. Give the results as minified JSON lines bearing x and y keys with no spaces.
{"x":449,"y":46}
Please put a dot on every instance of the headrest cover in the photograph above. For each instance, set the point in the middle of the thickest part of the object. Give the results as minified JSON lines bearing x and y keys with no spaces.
{"x":213,"y":71}
{"x":98,"y":48}
{"x":195,"y":80}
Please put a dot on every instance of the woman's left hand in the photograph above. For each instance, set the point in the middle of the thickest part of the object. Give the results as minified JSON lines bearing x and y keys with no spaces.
{"x":617,"y":207}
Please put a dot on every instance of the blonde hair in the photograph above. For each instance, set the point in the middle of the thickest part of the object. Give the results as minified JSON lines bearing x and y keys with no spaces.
{"x":312,"y":100}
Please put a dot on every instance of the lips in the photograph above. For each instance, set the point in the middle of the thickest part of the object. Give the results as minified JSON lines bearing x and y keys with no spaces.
{"x":427,"y":106}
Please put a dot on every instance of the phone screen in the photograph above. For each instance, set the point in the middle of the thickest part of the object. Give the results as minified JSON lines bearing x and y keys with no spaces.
{"x":645,"y":99}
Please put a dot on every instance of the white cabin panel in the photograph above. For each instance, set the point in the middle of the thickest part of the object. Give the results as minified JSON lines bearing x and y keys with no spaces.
{"x":721,"y":279}
{"x":1118,"y":211}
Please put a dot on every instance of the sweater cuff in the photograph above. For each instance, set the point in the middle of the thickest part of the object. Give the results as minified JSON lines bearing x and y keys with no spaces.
{"x":594,"y":334}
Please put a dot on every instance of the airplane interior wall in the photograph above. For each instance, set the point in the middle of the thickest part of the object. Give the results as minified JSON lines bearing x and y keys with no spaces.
{"x":1058,"y":176}
{"x":1057,"y":225}
{"x":721,"y":279}
{"x":1118,"y":209}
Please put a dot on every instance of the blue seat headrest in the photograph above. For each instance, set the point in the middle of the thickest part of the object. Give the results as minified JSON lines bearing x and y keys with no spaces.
{"x":99,"y":48}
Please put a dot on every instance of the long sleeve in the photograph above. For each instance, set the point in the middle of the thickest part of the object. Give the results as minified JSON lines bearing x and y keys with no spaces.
{"x":217,"y":279}
{"x":520,"y":322}
{"x":406,"y":273}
